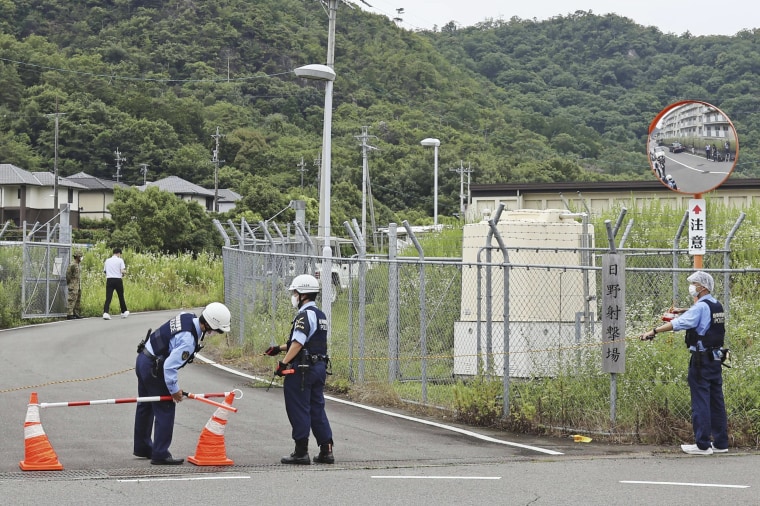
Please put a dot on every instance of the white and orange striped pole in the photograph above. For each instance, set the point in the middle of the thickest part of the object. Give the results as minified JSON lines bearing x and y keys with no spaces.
{"x":157,"y":398}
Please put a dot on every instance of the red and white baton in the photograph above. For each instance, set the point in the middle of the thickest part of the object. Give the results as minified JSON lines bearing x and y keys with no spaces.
{"x":158,"y":398}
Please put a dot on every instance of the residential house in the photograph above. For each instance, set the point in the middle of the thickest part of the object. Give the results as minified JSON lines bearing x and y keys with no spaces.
{"x":96,"y":195}
{"x":184,"y":190}
{"x":28,"y":196}
{"x":188,"y":191}
{"x":227,"y":200}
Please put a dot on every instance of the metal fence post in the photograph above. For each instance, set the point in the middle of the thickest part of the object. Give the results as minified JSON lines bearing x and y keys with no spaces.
{"x":361,"y":248}
{"x":505,"y":305}
{"x":727,"y":266}
{"x":489,"y":295}
{"x":393,"y":306}
{"x":423,"y":310}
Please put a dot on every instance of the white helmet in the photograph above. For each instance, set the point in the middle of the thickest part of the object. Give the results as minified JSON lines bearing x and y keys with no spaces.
{"x":217,"y":316}
{"x":305,"y":283}
{"x":669,"y":177}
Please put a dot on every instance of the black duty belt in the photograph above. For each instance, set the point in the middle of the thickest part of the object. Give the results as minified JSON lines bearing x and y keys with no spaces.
{"x":148,"y":354}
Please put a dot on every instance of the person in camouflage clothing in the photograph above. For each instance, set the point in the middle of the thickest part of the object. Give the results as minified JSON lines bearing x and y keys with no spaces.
{"x":73,"y":277}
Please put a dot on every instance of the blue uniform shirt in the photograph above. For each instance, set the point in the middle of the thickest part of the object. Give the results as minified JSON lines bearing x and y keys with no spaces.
{"x":696,"y":317}
{"x":300,"y":336}
{"x":179,"y":344}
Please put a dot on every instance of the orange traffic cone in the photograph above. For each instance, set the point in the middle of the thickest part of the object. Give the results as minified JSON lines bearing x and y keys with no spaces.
{"x":210,"y":450}
{"x":39,"y":454}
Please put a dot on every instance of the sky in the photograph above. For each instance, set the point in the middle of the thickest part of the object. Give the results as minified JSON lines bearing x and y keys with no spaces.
{"x":699,"y":17}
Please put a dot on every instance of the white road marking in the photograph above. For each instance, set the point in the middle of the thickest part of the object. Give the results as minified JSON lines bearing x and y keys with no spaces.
{"x":437,"y":477}
{"x":397,"y":415}
{"x":683,"y":484}
{"x":185,"y":478}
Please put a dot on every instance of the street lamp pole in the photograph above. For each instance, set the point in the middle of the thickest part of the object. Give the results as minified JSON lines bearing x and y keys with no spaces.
{"x":327,"y":74}
{"x":435,"y":143}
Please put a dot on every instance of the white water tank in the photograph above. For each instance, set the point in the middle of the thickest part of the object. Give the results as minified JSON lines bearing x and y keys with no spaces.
{"x":544,"y":304}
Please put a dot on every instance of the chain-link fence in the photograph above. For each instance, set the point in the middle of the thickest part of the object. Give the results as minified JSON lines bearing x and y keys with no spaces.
{"x":432,"y":327}
{"x":33,"y":260}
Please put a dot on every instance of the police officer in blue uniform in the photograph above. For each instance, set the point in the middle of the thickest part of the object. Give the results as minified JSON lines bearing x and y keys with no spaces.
{"x":704,"y":323}
{"x":304,"y":370}
{"x":159,"y":357}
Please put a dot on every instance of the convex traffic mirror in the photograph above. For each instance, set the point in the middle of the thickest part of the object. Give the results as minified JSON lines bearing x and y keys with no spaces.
{"x":692,"y":147}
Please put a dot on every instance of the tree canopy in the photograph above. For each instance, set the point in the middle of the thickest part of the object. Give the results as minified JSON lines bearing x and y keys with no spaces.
{"x":569,"y":98}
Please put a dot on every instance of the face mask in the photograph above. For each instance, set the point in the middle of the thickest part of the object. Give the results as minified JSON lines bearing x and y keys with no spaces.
{"x":693,"y":291}
{"x":294,"y":300}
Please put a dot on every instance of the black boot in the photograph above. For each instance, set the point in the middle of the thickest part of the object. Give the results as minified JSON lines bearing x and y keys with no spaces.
{"x":300,"y":456}
{"x":325,"y":454}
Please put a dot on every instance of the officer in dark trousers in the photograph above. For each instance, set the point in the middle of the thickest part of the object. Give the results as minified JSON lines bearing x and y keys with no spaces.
{"x":159,"y":357}
{"x":704,"y":323}
{"x":304,"y":369}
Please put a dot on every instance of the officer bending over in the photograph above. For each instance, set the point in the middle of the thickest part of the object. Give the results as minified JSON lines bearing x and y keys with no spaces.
{"x":159,"y":357}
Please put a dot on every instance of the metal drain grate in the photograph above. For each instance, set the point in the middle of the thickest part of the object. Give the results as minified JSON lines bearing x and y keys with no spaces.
{"x":189,"y":470}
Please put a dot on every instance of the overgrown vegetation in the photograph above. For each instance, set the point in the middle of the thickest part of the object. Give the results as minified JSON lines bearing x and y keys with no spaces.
{"x":153,"y":281}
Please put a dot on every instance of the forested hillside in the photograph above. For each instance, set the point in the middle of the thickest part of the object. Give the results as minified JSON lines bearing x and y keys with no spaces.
{"x":560,"y":100}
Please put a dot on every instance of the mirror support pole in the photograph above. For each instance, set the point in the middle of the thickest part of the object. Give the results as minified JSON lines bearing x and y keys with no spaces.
{"x":698,"y":258}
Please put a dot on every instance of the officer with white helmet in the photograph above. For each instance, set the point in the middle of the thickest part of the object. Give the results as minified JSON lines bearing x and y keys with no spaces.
{"x":159,"y":357}
{"x":304,"y":370}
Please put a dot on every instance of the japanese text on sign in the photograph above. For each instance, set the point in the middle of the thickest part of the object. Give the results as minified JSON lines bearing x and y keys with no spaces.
{"x":697,"y":227}
{"x":613,"y":313}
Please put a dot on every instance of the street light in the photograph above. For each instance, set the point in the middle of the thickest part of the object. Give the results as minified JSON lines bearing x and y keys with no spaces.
{"x":435,"y":143}
{"x":327,"y":74}
{"x":323,"y":73}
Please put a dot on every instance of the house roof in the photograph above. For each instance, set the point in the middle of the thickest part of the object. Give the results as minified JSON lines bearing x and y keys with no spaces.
{"x":12,"y":175}
{"x":179,"y":186}
{"x":47,"y":179}
{"x":95,"y":183}
{"x":227,"y":195}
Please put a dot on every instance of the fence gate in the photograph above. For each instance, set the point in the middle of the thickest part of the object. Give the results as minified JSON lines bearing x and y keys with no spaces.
{"x":47,"y":255}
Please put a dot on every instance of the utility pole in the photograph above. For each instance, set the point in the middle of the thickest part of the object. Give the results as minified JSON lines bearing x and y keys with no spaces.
{"x":216,"y":161}
{"x":318,"y":164}
{"x":462,"y":171}
{"x":119,"y":159}
{"x":55,"y":158}
{"x":364,"y":137}
{"x":144,"y":172}
{"x":301,"y":168}
{"x":469,"y":193}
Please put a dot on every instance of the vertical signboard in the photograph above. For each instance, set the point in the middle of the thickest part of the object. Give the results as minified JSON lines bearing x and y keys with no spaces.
{"x":613,"y":313}
{"x":697,"y":227}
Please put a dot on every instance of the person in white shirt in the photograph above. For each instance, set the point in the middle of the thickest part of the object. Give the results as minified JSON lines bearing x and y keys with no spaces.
{"x":114,"y":269}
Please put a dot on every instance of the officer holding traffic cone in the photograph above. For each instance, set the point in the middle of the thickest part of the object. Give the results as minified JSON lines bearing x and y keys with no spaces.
{"x":304,"y":370}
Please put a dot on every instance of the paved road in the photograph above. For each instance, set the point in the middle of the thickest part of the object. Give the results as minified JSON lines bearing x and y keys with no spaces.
{"x":382,"y":457}
{"x":693,"y":173}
